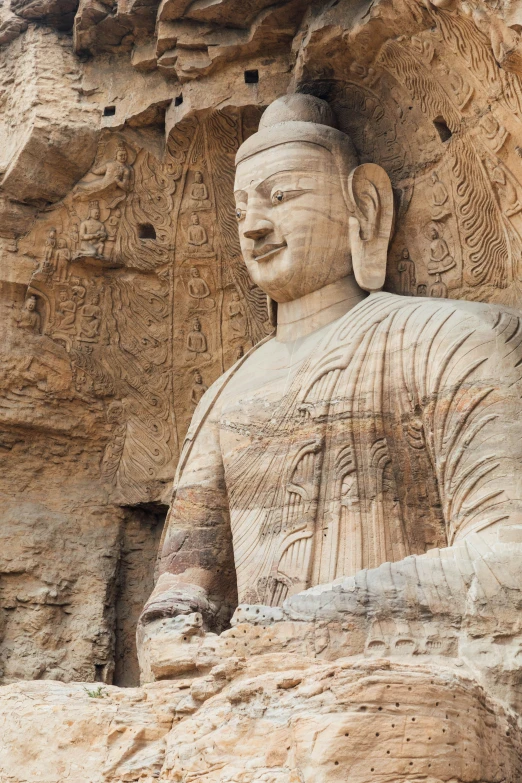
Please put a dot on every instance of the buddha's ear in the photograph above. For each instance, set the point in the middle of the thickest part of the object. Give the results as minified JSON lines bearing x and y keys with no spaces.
{"x":371,"y":222}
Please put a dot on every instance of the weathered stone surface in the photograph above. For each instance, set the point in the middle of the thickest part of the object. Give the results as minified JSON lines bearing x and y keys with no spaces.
{"x":263,"y":721}
{"x":124,"y":296}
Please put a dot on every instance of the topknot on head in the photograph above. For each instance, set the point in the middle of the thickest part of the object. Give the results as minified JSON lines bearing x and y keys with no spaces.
{"x":298,"y":108}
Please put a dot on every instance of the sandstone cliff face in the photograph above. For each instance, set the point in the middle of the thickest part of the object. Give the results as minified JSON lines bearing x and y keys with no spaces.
{"x":123,"y":294}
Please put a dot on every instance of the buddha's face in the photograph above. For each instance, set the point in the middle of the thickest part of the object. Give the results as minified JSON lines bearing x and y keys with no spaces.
{"x":95,"y":214}
{"x":30,"y":304}
{"x":121,"y":156}
{"x":293,"y":220}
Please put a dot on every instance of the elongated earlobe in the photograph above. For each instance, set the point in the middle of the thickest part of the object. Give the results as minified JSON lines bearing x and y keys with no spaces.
{"x":371,"y":223}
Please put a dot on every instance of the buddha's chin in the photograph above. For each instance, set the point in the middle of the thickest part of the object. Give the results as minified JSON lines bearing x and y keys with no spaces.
{"x":273,"y":274}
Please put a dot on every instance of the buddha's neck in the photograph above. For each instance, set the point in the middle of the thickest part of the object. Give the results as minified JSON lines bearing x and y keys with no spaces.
{"x":302,"y":316}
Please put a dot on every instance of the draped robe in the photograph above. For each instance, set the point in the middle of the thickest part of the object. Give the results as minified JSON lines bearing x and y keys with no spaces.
{"x":399,"y":431}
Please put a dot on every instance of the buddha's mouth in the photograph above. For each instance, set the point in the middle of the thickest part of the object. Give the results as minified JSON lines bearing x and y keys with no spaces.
{"x":267,"y":250}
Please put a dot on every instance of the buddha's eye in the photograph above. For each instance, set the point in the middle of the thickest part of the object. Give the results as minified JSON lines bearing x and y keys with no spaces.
{"x":240,"y":213}
{"x":277,"y":197}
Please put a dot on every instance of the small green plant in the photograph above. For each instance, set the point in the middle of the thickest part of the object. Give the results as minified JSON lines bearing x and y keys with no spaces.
{"x":99,"y":693}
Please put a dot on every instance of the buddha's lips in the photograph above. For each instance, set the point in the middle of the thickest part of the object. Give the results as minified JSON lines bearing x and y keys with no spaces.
{"x":267,"y":250}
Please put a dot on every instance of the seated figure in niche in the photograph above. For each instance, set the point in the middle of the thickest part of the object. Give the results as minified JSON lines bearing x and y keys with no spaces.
{"x":90,"y":318}
{"x":370,"y":428}
{"x":92,"y":233}
{"x":507,"y":193}
{"x":29,"y":317}
{"x":439,"y":289}
{"x":196,"y":340}
{"x":113,"y":179}
{"x":440,"y":258}
{"x":199,"y":193}
{"x":65,"y":315}
{"x":197,"y":234}
{"x":439,"y":199}
{"x":197,"y":287}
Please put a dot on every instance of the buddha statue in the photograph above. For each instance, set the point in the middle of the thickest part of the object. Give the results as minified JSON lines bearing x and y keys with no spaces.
{"x":368,"y":449}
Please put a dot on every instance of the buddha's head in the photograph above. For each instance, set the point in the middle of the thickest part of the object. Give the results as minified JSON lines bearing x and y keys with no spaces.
{"x":308,"y":215}
{"x":30,"y":303}
{"x":194,"y":271}
{"x":198,"y":177}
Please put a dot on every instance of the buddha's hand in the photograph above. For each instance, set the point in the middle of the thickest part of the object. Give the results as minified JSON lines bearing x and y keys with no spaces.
{"x":171,"y":630}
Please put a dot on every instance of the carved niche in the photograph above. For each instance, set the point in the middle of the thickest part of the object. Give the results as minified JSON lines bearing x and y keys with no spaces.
{"x":139,"y":282}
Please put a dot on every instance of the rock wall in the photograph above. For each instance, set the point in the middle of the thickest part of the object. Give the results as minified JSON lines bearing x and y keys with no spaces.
{"x":123,"y":294}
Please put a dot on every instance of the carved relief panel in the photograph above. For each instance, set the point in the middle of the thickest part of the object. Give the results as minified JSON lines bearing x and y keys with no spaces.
{"x":139,"y":283}
{"x":440,"y":108}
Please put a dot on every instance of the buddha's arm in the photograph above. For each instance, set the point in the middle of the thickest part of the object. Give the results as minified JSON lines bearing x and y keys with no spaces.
{"x":196,"y":566}
{"x":466,"y":379}
{"x":473,"y":423}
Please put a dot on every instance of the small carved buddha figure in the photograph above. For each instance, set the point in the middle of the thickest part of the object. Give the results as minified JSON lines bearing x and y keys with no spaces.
{"x":198,"y":389}
{"x":63,"y":257}
{"x":197,"y":287}
{"x":370,"y":428}
{"x":50,"y":247}
{"x":507,"y":193}
{"x":113,"y":179}
{"x":92,"y":233}
{"x":439,"y":289}
{"x":90,"y":317}
{"x":440,"y":258}
{"x":237,"y":314}
{"x":197,"y":234}
{"x":199,"y":193}
{"x":65,"y":313}
{"x":494,"y":133}
{"x":29,"y":318}
{"x":439,"y":199}
{"x":196,"y":340}
{"x":406,"y":268}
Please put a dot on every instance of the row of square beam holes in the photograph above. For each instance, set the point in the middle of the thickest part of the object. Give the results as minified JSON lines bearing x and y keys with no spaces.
{"x":251,"y":77}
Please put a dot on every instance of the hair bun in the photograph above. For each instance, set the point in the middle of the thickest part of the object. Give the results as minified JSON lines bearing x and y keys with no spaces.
{"x":298,"y":108}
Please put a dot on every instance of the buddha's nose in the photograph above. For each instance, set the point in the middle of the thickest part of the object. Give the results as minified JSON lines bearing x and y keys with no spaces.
{"x":261,"y":229}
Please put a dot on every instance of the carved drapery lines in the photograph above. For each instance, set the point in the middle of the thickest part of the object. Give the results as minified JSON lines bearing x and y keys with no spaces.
{"x":348,"y":493}
{"x":485,"y":247}
{"x":463,"y":38}
{"x":294,"y":559}
{"x":463,"y":417}
{"x":151,"y":205}
{"x":419,"y":80}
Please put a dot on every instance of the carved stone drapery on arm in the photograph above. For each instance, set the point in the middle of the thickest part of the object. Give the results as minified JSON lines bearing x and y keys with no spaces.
{"x":196,"y":564}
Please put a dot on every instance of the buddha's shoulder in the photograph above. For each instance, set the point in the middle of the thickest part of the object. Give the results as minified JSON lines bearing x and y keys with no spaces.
{"x":476,"y":315}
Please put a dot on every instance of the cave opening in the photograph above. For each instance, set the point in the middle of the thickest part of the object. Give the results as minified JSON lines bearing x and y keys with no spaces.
{"x":141,"y":534}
